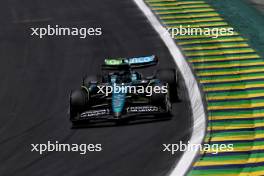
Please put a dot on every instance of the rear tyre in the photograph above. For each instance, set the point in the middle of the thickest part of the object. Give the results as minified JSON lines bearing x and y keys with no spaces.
{"x":157,"y":98}
{"x":169,"y":76}
{"x":162,"y":100}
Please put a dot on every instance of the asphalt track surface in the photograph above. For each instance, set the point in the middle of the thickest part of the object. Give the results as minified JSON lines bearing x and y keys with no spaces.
{"x":38,"y":74}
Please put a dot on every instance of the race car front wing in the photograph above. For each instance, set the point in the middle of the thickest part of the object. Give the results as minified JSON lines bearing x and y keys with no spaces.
{"x":107,"y":114}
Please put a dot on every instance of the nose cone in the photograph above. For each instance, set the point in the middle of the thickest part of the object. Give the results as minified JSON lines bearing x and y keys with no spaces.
{"x":118,"y":102}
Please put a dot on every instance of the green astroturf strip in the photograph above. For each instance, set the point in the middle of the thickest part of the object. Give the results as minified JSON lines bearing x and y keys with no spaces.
{"x":207,"y":40}
{"x":247,"y":75}
{"x":198,"y":36}
{"x":183,"y":6}
{"x":209,"y":25}
{"x":238,"y":122}
{"x":247,"y":61}
{"x":189,"y":15}
{"x":196,"y":23}
{"x":203,"y":25}
{"x":225,"y":158}
{"x":160,"y":2}
{"x":233,"y":157}
{"x":235,"y":133}
{"x":216,"y":172}
{"x":236,"y":102}
{"x":154,"y":4}
{"x":222,"y":85}
{"x":233,"y":70}
{"x":183,"y":9}
{"x":216,"y":45}
{"x":200,"y":41}
{"x":221,"y":51}
{"x":220,"y":57}
{"x":219,"y":39}
{"x":235,"y":113}
{"x":207,"y":60}
{"x":229,"y":55}
{"x":248,"y":144}
{"x":234,"y":93}
{"x":192,"y":19}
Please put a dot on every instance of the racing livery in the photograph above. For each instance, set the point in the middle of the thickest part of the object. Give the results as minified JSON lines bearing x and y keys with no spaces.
{"x":121,"y":92}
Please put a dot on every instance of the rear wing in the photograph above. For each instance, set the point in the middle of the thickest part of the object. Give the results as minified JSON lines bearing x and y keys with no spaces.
{"x":135,"y":62}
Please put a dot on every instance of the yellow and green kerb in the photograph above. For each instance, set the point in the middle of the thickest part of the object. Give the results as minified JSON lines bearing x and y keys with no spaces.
{"x":231,"y":74}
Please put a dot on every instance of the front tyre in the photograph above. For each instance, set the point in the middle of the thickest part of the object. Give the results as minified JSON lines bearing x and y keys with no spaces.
{"x":78,"y":100}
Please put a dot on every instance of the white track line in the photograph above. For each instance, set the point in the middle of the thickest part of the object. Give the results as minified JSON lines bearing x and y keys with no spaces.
{"x":199,"y":117}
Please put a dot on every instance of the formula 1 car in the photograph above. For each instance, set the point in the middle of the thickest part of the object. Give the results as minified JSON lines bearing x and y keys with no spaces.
{"x":123,"y":92}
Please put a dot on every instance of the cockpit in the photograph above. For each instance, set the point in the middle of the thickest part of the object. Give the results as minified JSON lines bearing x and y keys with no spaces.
{"x":123,"y":77}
